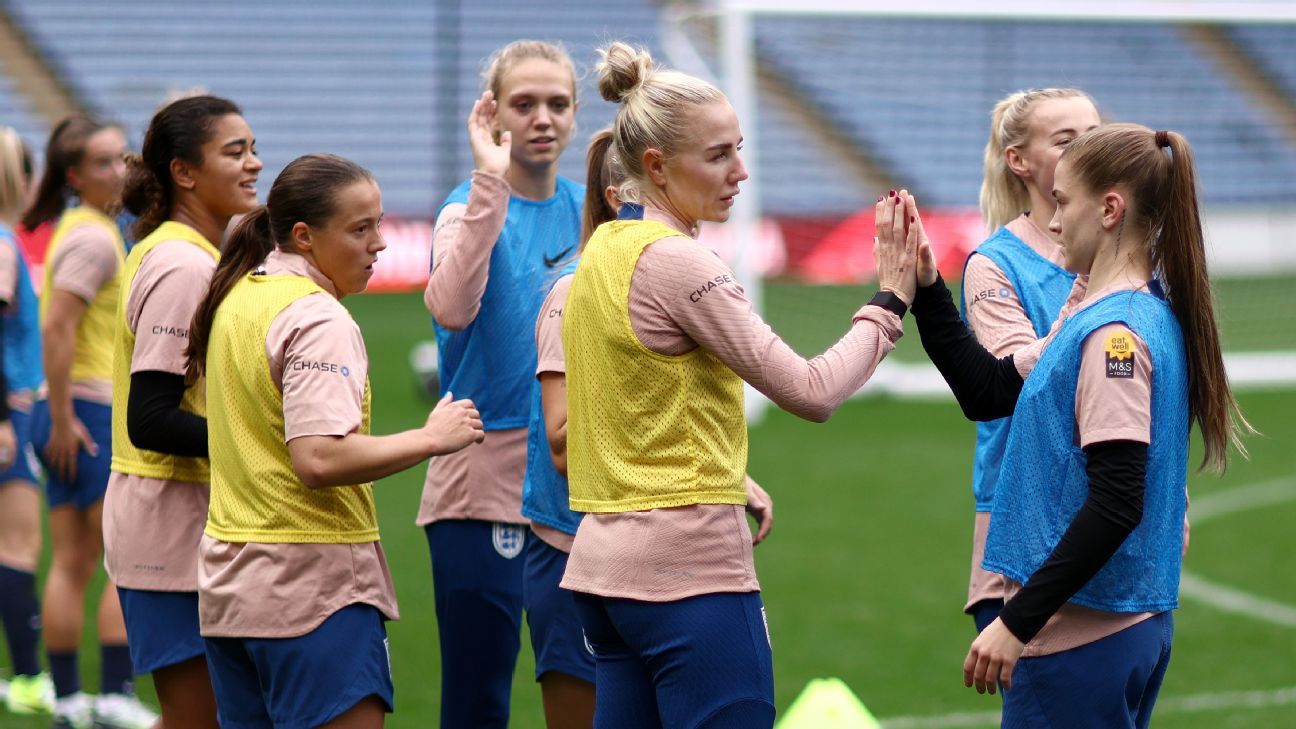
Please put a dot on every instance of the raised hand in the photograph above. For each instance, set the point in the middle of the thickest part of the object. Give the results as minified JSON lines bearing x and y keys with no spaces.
{"x":896,"y":246}
{"x":926,"y":258}
{"x":453,"y":425}
{"x":488,"y":155}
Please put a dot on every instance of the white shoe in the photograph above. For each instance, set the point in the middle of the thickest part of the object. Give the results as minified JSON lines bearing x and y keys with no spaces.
{"x":74,"y":712}
{"x":122,"y":711}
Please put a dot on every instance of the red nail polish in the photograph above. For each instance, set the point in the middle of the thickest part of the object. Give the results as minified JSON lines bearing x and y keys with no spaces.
{"x":912,"y":219}
{"x":893,"y":193}
{"x":879,"y":198}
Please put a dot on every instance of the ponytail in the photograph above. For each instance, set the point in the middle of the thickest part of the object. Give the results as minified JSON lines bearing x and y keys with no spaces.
{"x":245,"y":249}
{"x":602,"y":169}
{"x":1163,"y":190}
{"x":144,"y":196}
{"x":1003,"y":194}
{"x":1180,"y":257}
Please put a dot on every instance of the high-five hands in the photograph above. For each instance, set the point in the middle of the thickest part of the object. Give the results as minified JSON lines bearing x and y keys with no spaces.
{"x":488,"y":155}
{"x":895,"y":247}
{"x":902,"y":252}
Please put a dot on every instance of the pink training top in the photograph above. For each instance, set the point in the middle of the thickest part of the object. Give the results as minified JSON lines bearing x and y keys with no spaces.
{"x":86,"y":259}
{"x":286,"y":590}
{"x":483,"y":482}
{"x":1002,"y":326}
{"x":151,"y":526}
{"x":671,"y":554}
{"x":1107,"y":408}
{"x":550,"y":358}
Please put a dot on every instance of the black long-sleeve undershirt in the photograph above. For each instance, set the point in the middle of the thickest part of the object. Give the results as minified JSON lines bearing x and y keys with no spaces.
{"x":154,"y":420}
{"x":1111,"y":511}
{"x":985,"y":386}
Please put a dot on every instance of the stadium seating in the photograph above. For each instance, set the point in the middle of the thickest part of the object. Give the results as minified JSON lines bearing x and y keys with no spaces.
{"x":15,"y":112}
{"x":917,"y":94}
{"x":369,"y":82}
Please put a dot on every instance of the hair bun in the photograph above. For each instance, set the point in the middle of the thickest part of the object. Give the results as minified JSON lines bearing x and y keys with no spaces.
{"x":622,"y":70}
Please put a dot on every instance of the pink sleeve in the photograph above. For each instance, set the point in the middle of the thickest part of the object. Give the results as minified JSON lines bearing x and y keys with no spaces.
{"x":85,"y":261}
{"x":1026,"y":357}
{"x":682,"y":292}
{"x":317,"y":357}
{"x":994,"y":312}
{"x":463,"y":240}
{"x":169,"y":284}
{"x":549,"y":346}
{"x":8,"y":273}
{"x":1114,"y":390}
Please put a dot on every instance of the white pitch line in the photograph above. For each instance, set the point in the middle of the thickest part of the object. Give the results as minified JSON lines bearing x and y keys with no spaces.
{"x":1229,"y":599}
{"x":1189,"y":704}
{"x":1236,"y":601}
{"x":1268,"y":493}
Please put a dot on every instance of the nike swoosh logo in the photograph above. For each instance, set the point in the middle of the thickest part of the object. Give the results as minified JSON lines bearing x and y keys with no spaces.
{"x":551,"y":262}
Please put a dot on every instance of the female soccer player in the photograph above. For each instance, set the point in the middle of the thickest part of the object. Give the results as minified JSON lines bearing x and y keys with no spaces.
{"x":500,"y":239}
{"x":293,"y":583}
{"x":72,"y":424}
{"x":1014,"y":283}
{"x":658,"y":338}
{"x":1088,"y":517}
{"x":198,"y":168}
{"x":30,"y":690}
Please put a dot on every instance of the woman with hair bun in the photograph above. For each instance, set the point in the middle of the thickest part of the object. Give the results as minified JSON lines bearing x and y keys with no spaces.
{"x":658,"y":338}
{"x":1014,"y":283}
{"x":197,"y":170}
{"x":1088,"y":520}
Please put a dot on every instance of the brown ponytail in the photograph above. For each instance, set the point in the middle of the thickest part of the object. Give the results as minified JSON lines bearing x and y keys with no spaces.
{"x":247,"y":246}
{"x":304,"y":192}
{"x":1163,"y":188}
{"x":602,"y":169}
{"x":1180,"y":256}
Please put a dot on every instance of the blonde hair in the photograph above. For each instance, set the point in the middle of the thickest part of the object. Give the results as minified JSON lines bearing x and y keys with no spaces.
{"x":1003,"y":193}
{"x":14,"y":164}
{"x":655,"y":106}
{"x":504,"y":59}
{"x":603,"y":169}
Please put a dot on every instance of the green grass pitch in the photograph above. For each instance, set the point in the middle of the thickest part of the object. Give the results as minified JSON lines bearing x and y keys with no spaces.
{"x":865,"y":571}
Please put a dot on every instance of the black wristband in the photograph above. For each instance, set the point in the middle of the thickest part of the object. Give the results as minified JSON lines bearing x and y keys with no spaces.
{"x":890,"y":302}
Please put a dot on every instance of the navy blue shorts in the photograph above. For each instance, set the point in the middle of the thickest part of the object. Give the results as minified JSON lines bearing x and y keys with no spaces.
{"x":477,"y":583}
{"x":303,"y":682}
{"x":161,"y":627}
{"x":92,"y":471}
{"x":1111,"y":683}
{"x":25,"y":466}
{"x":556,"y":634}
{"x":699,"y":663}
